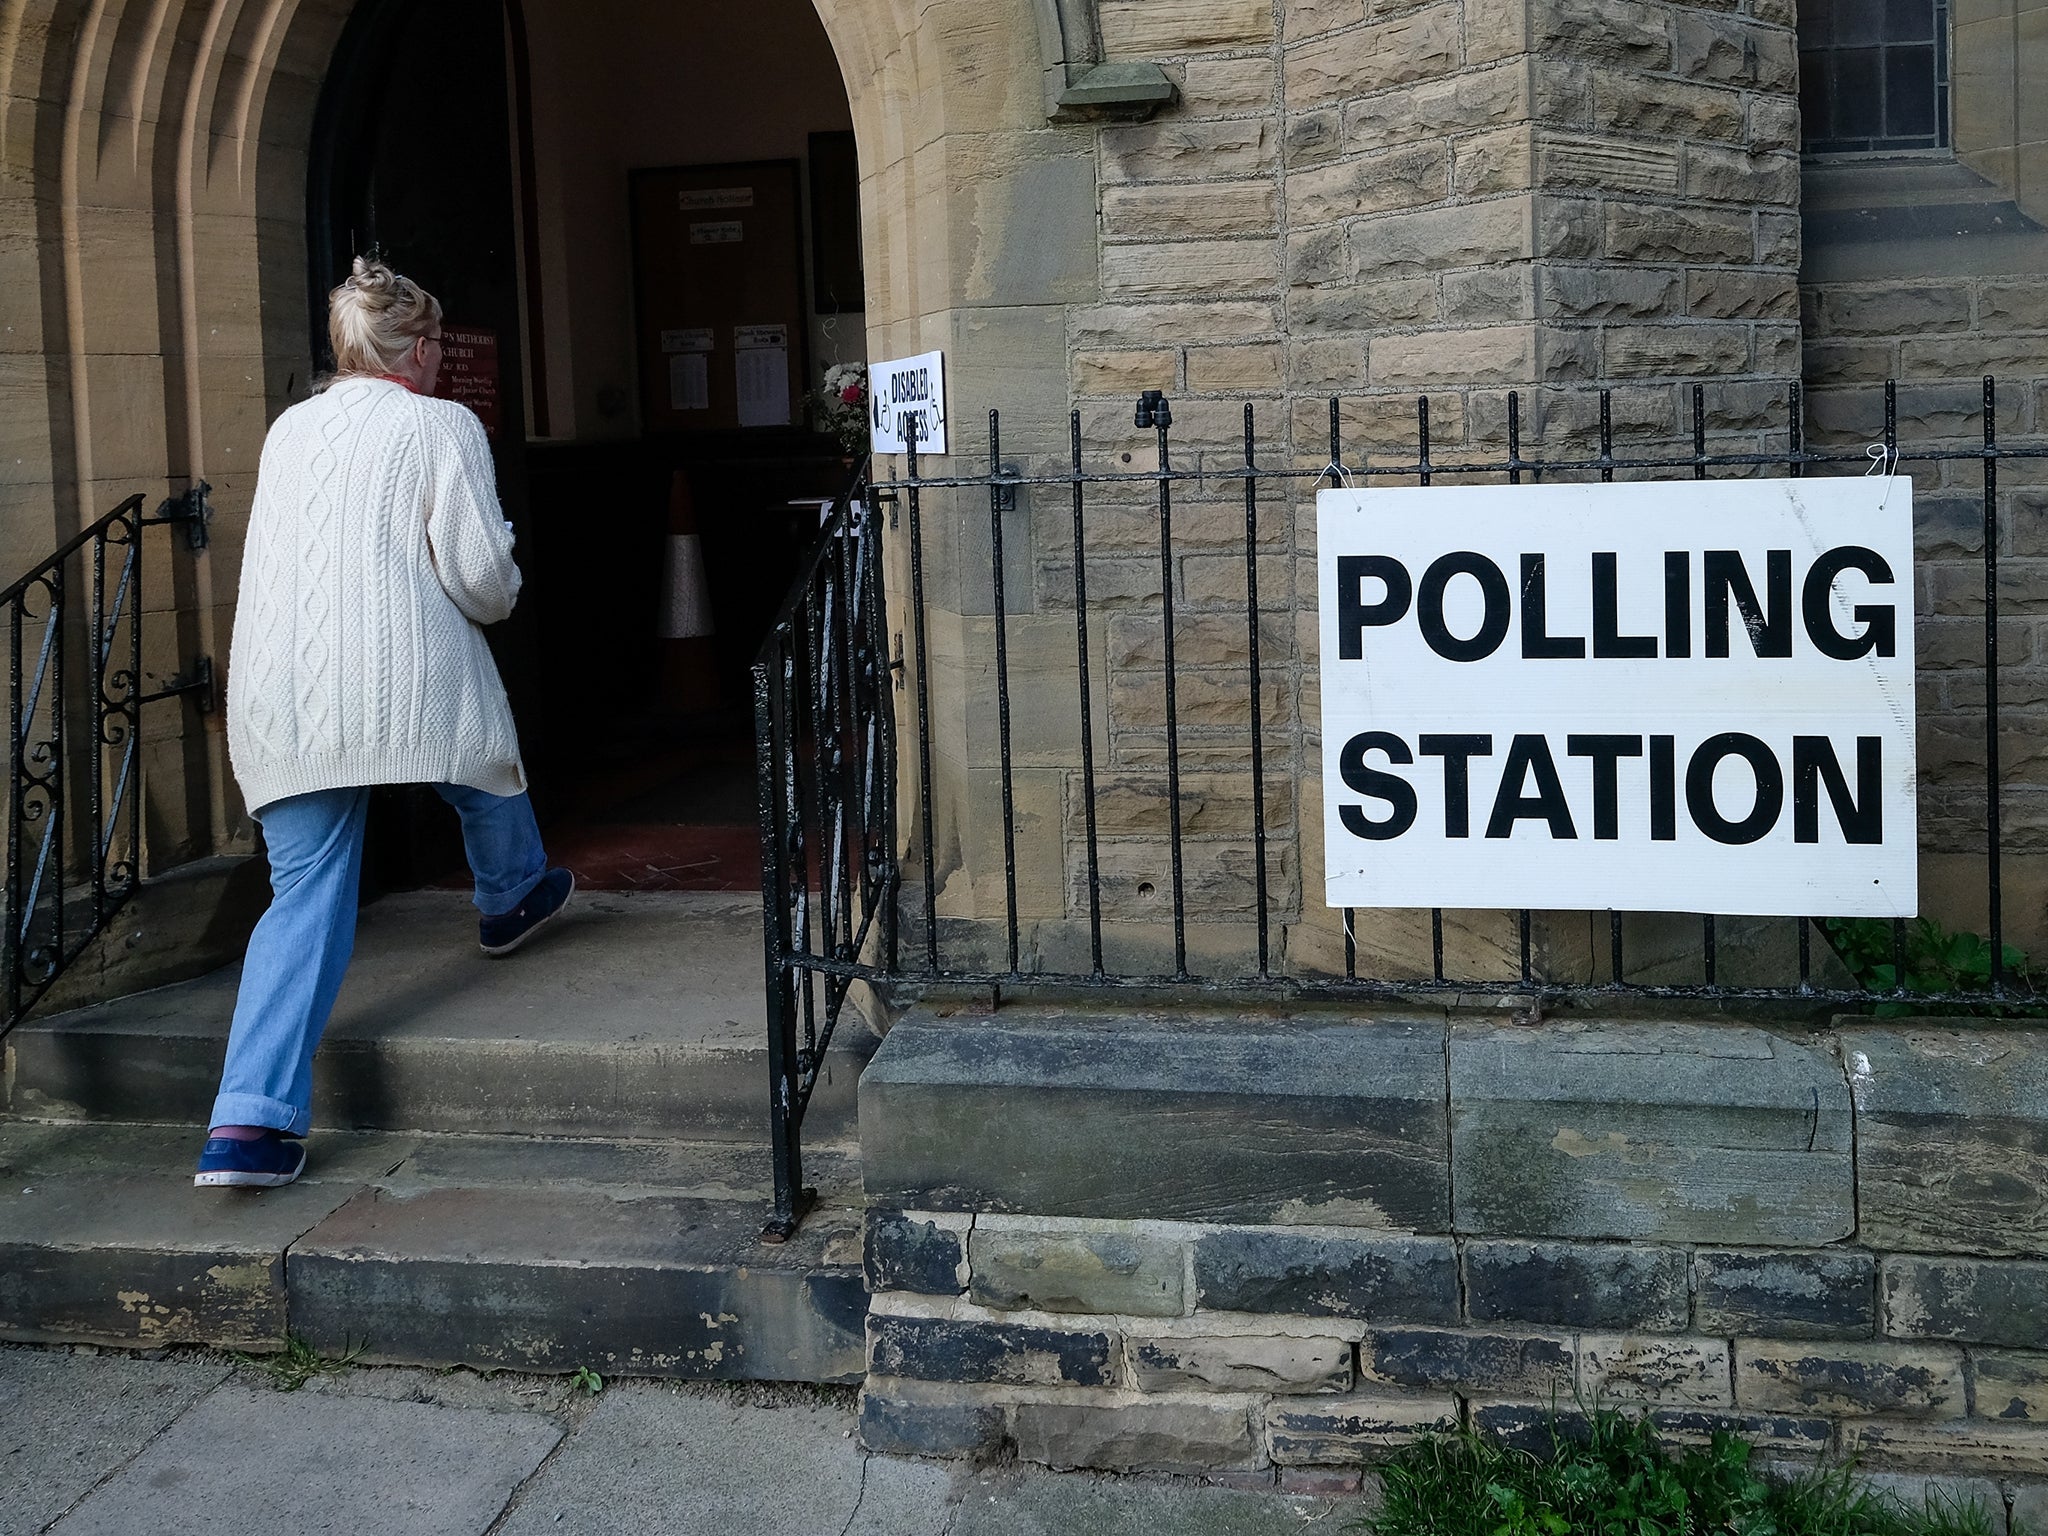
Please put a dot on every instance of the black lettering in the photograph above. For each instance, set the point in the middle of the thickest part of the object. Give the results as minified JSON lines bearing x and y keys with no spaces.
{"x":1663,"y":789}
{"x":1429,"y":611}
{"x":1699,"y":787}
{"x":1457,"y":753}
{"x":1608,"y":640}
{"x":1769,"y":626}
{"x":1390,"y":787}
{"x":1677,"y":603}
{"x":1606,"y":752}
{"x":1354,"y":613}
{"x":1538,"y":644}
{"x":1880,"y":621}
{"x":1510,"y":805}
{"x":1814,"y":763}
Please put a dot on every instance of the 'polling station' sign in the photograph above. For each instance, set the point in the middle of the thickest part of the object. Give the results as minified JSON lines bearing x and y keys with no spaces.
{"x":1684,"y":697}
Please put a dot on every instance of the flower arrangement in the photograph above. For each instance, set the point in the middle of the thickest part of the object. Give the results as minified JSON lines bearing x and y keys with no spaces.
{"x":842,"y":405}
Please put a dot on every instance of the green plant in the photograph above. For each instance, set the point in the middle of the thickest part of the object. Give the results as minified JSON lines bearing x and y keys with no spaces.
{"x":298,"y":1363}
{"x":1615,"y":1479}
{"x":586,"y":1380}
{"x":1936,"y":961}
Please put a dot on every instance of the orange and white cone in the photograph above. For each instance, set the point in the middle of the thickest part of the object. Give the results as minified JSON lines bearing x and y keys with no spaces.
{"x":688,"y":677}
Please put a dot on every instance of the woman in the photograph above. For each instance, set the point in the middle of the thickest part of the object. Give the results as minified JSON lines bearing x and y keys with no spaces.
{"x":376,"y":552}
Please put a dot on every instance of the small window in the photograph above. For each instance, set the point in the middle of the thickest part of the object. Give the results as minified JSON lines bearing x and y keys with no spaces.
{"x":1873,"y":75}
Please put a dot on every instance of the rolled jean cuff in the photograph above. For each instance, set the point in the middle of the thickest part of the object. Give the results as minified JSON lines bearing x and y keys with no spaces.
{"x":498,"y":903}
{"x":256,"y":1109}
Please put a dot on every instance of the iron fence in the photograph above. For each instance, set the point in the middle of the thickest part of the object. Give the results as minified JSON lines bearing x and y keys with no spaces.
{"x":832,"y":874}
{"x":74,"y":713}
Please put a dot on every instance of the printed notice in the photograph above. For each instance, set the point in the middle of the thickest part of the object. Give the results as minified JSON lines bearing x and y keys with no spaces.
{"x":692,"y":339}
{"x":723,"y":232}
{"x":689,"y":382}
{"x":761,"y":361}
{"x":715,"y":197}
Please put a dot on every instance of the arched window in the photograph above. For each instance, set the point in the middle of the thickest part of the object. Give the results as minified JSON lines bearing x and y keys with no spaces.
{"x":1874,"y":75}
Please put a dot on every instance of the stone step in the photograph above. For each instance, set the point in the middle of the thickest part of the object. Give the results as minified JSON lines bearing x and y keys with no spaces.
{"x":640,"y":1015}
{"x":630,"y":1257}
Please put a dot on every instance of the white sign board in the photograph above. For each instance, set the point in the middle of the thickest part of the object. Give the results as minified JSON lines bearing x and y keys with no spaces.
{"x":1692,"y":696}
{"x":908,"y":388}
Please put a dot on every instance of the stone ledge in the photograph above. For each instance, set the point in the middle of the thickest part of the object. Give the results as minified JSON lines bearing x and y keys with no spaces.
{"x":1254,"y":1119}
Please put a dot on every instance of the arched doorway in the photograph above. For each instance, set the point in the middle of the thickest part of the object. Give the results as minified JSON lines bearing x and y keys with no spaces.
{"x":637,"y":219}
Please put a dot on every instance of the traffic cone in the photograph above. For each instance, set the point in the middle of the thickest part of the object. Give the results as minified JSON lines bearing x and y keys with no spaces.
{"x":687,"y":682}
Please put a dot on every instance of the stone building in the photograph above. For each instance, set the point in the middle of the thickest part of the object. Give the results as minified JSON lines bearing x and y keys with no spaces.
{"x":1263,"y":202}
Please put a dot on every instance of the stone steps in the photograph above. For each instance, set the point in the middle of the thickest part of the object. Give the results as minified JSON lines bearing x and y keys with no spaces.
{"x":552,"y":1161}
{"x":640,"y":1018}
{"x":632,"y":1257}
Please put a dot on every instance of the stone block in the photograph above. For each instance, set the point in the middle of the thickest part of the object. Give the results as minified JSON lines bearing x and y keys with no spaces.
{"x":1657,"y":232}
{"x":1741,"y":176}
{"x":1271,"y":1270}
{"x":1405,"y":177}
{"x":1670,"y":1372}
{"x":1774,"y":1434}
{"x":1498,"y":354}
{"x":1529,"y":1426}
{"x":1974,"y":1445}
{"x":1367,"y":306}
{"x":1422,"y":45}
{"x":1917,"y":1494}
{"x":1974,"y":1301}
{"x":915,"y":1253}
{"x":1124,"y":373}
{"x":1255,"y":365}
{"x":1008,"y":1354}
{"x":1227,"y":268}
{"x":1477,"y":296}
{"x":1468,"y":101}
{"x":892,"y":1426}
{"x":1673,"y":1132}
{"x":1136,"y":1115}
{"x":1160,"y":1436}
{"x":1143,"y":29}
{"x":1046,"y":1269}
{"x":1181,"y":150}
{"x":1733,"y":50}
{"x":1466,"y":1360}
{"x":1436,"y":239}
{"x":1628,"y":32}
{"x":1846,"y":1380}
{"x":1210,"y":86}
{"x":1362,"y":1428}
{"x":2010,"y":1385}
{"x":1952,"y":1131}
{"x":1205,"y":210}
{"x":1786,"y":1295}
{"x":1577,"y":1285}
{"x":2030,"y":1510}
{"x":1609,"y":293}
{"x":1719,"y":294}
{"x":1604,"y":165}
{"x":1253,"y":1362}
{"x":1665,"y":109}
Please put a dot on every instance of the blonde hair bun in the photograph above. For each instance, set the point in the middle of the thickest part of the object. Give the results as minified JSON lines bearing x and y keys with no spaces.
{"x":375,"y":316}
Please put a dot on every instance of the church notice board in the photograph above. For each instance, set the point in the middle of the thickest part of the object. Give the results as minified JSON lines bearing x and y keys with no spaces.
{"x":718,"y":268}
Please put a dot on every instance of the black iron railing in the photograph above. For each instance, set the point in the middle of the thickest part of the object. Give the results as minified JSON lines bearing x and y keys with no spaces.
{"x":74,"y":714}
{"x":992,"y":953}
{"x":826,"y":771}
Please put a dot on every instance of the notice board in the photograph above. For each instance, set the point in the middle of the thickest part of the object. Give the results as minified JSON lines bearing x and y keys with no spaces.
{"x":469,"y":371}
{"x":718,"y":274}
{"x":1664,"y":697}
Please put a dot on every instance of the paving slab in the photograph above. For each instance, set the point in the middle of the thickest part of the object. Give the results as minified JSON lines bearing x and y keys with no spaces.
{"x":663,"y":1463}
{"x":319,"y":1465}
{"x":56,"y":1441}
{"x":640,"y":1015}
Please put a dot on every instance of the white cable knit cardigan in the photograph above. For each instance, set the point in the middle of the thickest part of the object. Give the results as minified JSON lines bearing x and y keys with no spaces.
{"x":376,"y":549}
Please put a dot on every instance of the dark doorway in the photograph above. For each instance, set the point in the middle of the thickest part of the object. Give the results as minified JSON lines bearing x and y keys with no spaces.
{"x":423,"y":152}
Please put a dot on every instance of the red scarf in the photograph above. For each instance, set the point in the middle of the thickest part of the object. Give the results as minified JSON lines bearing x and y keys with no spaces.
{"x":392,"y":378}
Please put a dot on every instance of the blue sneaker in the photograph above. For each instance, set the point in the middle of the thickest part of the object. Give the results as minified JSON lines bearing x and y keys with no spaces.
{"x":265,"y":1163}
{"x":502,"y":934}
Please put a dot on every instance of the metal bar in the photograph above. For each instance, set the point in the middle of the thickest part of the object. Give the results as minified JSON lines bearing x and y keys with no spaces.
{"x":926,"y":834}
{"x":1251,"y":621}
{"x":1002,"y":619}
{"x":885,"y":729}
{"x":1336,"y":464}
{"x":1993,"y":774}
{"x":96,"y":681}
{"x":17,"y":778}
{"x":1162,"y":422}
{"x":784,"y":1139}
{"x":53,"y":831}
{"x":1087,"y":709}
{"x":1422,"y":477}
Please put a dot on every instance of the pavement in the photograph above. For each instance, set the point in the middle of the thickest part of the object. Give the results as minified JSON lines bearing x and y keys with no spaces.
{"x":173,"y":1443}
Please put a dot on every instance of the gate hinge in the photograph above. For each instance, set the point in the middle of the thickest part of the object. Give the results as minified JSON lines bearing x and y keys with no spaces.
{"x":190,"y":507}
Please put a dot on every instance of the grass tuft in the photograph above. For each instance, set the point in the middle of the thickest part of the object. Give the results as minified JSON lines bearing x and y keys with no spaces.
{"x":1615,"y":1479}
{"x":298,"y":1363}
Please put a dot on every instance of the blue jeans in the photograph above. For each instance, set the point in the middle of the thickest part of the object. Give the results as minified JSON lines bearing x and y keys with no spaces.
{"x":301,"y":947}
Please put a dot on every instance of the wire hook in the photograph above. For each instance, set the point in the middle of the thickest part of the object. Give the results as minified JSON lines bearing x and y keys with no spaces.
{"x":1883,"y":460}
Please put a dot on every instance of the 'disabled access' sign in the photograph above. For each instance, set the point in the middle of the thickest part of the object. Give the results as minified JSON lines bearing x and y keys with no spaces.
{"x":1692,"y":696}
